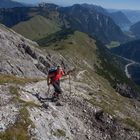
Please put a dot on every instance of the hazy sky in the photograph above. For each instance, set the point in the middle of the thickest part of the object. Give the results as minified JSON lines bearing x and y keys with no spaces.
{"x":117,"y":4}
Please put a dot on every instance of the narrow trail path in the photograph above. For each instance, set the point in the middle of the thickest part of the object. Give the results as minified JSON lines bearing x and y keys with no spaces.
{"x":132,"y":62}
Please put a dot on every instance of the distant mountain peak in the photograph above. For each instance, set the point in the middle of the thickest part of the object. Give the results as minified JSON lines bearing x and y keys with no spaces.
{"x":93,"y":20}
{"x":44,"y":4}
{"x":91,"y":7}
{"x":135,"y":28}
{"x":120,"y":19}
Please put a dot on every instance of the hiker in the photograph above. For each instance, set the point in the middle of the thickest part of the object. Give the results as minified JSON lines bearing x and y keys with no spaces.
{"x":53,"y":78}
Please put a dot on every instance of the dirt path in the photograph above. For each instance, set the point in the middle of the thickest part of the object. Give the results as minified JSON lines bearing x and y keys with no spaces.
{"x":126,"y":68}
{"x":79,"y":75}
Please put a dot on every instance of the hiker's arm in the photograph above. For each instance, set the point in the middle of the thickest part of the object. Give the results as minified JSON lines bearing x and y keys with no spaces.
{"x":68,"y":73}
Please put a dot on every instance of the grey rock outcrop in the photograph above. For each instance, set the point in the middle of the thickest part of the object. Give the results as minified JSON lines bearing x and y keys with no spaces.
{"x":19,"y":57}
{"x":8,"y":109}
{"x":126,"y":91}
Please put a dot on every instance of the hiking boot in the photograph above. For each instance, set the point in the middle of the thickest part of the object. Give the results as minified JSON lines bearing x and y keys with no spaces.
{"x":54,"y":99}
{"x":59,"y":104}
{"x":45,"y":105}
{"x":55,"y":96}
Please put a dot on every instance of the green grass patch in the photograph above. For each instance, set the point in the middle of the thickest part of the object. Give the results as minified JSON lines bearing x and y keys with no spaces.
{"x":113,"y":44}
{"x":14,"y":90}
{"x":74,"y":46}
{"x":106,"y":107}
{"x":16,"y":80}
{"x":19,"y":131}
{"x":131,"y":123}
{"x":37,"y":27}
{"x":54,"y":37}
{"x":59,"y":133}
{"x":31,"y":104}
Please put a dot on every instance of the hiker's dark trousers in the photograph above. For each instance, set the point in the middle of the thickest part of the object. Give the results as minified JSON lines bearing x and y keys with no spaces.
{"x":57,"y":88}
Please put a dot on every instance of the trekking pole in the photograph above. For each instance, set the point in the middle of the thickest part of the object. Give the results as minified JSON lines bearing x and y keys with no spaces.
{"x":70,"y":83}
{"x":69,"y":79}
{"x":48,"y":90}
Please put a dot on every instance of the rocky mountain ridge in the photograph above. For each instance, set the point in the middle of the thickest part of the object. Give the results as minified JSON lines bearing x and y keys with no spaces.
{"x":135,"y":30}
{"x":121,"y":20}
{"x":85,"y":19}
{"x":133,"y":15}
{"x":117,"y":16}
{"x":91,"y":108}
{"x":17,"y":46}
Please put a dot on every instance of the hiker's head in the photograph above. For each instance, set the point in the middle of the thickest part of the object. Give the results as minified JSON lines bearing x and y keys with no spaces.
{"x":59,"y":68}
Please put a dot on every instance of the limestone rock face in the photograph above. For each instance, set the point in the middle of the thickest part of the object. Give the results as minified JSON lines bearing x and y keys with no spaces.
{"x":19,"y":57}
{"x":8,"y":110}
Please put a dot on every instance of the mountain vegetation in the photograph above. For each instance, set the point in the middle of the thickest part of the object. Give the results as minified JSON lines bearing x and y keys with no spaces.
{"x":131,"y":51}
{"x":128,"y":50}
{"x":37,"y":27}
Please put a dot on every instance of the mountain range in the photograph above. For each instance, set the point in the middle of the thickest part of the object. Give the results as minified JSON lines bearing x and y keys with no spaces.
{"x":132,"y":15}
{"x":135,"y":29}
{"x":118,"y":17}
{"x":86,"y":20}
{"x":94,"y":23}
{"x":121,"y":19}
{"x":10,"y":4}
